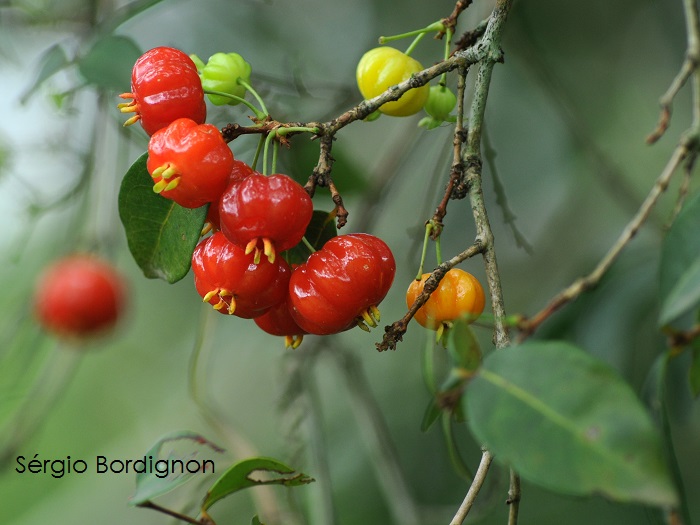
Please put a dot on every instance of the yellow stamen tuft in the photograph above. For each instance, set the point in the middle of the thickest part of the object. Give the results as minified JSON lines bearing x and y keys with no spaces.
{"x":160,"y":186}
{"x":368,"y":318}
{"x":209,"y":295}
{"x":362,"y":325}
{"x":173,"y":184}
{"x":132,"y":120}
{"x":251,"y":246}
{"x":269,"y":249}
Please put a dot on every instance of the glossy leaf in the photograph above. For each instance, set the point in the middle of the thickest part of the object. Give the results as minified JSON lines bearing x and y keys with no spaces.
{"x":51,"y":62}
{"x":680,"y":252}
{"x":568,"y":422}
{"x":160,"y":233}
{"x":253,"y":472}
{"x":149,"y":485}
{"x":684,"y":296}
{"x":109,"y":62}
{"x":318,"y":232}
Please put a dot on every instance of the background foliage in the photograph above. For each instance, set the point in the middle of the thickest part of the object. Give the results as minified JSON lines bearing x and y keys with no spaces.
{"x":566,"y":121}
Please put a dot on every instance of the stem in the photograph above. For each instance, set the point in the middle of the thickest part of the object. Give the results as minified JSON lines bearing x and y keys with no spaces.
{"x":268,"y":139}
{"x":413,"y":45}
{"x":261,"y":143}
{"x":171,"y":513}
{"x":259,"y":114}
{"x":477,"y":483}
{"x":687,"y":71}
{"x":275,"y":150}
{"x":513,"y":501}
{"x":687,"y":147}
{"x":435,"y":26}
{"x":308,"y":244}
{"x":428,"y":229}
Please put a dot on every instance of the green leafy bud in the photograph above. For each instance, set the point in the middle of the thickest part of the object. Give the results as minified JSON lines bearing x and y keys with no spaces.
{"x":222,"y":73}
{"x":441,"y":101}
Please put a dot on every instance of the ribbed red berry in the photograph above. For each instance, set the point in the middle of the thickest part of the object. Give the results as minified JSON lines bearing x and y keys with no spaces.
{"x":227,"y":278}
{"x":239,"y":171}
{"x":190,"y":163}
{"x":165,"y":86}
{"x":341,"y":284}
{"x":265,"y":214}
{"x":279,"y":321}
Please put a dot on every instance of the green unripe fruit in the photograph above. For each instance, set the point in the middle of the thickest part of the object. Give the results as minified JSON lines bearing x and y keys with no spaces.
{"x":222,"y":73}
{"x":441,"y":102}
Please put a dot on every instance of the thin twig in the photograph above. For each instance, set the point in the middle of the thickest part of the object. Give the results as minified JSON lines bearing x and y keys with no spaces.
{"x":394,"y":332}
{"x":451,"y":21}
{"x":688,"y":69}
{"x":513,"y":498}
{"x":470,"y":498}
{"x":687,"y":147}
{"x":457,"y":170}
{"x":175,"y":514}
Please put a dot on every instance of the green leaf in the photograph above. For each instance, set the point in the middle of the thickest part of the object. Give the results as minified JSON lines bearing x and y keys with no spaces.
{"x":463,"y":347}
{"x":148,"y":483}
{"x":320,"y":230}
{"x":679,"y":252}
{"x":253,"y":472}
{"x":684,"y":296}
{"x":160,"y":233}
{"x":109,"y":62}
{"x":568,"y":422}
{"x":256,"y":521}
{"x":51,"y":62}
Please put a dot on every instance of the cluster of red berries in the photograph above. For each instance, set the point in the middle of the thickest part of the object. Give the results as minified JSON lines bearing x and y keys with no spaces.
{"x":254,"y":218}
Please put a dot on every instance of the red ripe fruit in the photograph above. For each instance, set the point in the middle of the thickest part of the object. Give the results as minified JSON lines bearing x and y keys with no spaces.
{"x":279,"y":321}
{"x":239,"y":171}
{"x":265,"y":214}
{"x":227,"y":278}
{"x":79,"y":296}
{"x":165,"y":86}
{"x":190,"y":163}
{"x":341,"y":284}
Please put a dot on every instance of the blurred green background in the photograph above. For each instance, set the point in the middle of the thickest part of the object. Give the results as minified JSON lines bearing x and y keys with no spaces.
{"x":567,"y":116}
